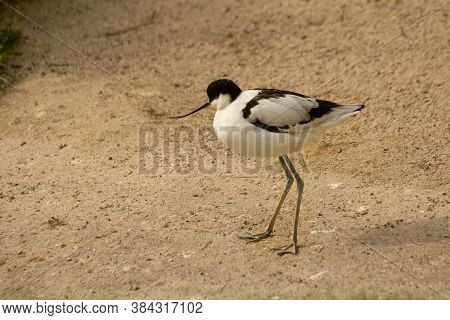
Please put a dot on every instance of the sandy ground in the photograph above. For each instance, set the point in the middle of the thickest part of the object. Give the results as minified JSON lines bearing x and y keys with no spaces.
{"x":102,"y":198}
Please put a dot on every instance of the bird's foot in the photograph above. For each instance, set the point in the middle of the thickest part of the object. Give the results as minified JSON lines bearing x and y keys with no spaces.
{"x":256,"y":237}
{"x":289,"y":249}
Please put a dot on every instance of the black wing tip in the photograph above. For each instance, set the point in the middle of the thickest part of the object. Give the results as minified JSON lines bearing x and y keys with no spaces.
{"x":361,"y":107}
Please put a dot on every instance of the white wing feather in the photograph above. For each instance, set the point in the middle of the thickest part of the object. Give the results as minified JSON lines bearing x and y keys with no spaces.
{"x":283,"y":111}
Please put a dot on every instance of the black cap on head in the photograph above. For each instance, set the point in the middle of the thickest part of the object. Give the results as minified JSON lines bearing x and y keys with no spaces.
{"x":224,"y":86}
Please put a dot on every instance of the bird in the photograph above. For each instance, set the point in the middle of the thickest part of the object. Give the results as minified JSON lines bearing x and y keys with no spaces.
{"x":271,"y":123}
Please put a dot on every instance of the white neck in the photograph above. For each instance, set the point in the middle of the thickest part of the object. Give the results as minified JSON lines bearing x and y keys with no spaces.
{"x":222,"y":101}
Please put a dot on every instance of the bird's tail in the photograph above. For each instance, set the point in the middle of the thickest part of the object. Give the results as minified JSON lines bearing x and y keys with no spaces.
{"x":346,"y":111}
{"x":338,"y":114}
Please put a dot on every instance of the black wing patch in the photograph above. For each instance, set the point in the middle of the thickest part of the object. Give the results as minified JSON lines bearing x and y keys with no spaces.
{"x":322,"y":109}
{"x":270,"y":128}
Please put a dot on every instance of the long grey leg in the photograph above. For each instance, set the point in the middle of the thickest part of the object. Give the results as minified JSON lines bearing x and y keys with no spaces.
{"x":269,"y":230}
{"x":293,"y":247}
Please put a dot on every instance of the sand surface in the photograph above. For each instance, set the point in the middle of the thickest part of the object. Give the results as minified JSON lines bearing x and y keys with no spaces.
{"x":101,"y":196}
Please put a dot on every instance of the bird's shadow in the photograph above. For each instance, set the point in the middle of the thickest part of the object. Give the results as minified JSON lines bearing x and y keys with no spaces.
{"x":402,"y":232}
